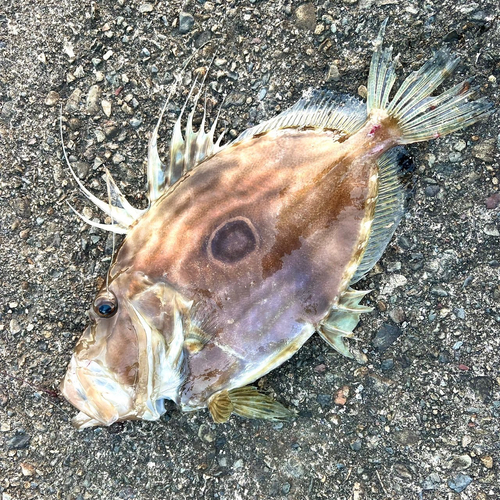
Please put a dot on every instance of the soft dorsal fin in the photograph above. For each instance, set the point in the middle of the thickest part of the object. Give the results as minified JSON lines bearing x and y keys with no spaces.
{"x":322,"y":109}
{"x":392,"y":193}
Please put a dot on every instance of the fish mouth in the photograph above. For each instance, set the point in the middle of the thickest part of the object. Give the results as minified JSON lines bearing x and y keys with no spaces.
{"x":103,"y":399}
{"x":96,"y":392}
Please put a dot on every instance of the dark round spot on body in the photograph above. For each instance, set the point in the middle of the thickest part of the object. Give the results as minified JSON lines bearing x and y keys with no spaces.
{"x":233,"y":241}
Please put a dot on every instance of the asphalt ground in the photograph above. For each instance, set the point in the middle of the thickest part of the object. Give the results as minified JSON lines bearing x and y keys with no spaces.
{"x":419,"y":421}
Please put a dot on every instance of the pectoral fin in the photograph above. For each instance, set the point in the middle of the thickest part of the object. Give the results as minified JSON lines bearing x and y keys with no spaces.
{"x":246,"y":402}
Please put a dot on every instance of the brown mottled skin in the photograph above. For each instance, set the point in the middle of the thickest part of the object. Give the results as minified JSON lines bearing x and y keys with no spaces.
{"x":306,"y":195}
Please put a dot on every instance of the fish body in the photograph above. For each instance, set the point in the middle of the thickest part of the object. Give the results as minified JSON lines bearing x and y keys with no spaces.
{"x":250,"y":248}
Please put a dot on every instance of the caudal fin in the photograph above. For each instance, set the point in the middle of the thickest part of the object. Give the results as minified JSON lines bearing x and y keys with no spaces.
{"x":419,"y":115}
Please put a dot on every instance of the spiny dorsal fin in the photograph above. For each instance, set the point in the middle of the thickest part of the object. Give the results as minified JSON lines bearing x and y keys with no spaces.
{"x":117,"y":207}
{"x":389,"y":208}
{"x":322,"y":109}
{"x":185,"y":151}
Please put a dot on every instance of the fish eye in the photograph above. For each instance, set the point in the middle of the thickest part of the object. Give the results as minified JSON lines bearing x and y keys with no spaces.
{"x":233,"y":240}
{"x":105,"y":304}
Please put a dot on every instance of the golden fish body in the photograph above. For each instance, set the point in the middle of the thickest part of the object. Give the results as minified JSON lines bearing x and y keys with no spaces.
{"x":248,"y":249}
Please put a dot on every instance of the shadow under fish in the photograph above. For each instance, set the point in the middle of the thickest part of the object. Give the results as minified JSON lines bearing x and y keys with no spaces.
{"x":249,"y":248}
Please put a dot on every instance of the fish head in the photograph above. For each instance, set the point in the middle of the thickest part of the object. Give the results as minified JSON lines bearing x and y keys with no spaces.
{"x":130,"y":358}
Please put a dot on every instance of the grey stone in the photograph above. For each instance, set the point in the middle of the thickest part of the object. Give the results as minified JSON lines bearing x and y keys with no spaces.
{"x":459,"y":482}
{"x":186,"y":22}
{"x":356,"y":445}
{"x":386,"y":336}
{"x":431,"y":482}
{"x":19,"y":442}
{"x":324,"y":399}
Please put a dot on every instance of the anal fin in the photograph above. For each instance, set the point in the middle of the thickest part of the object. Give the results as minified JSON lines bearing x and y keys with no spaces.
{"x":246,"y":402}
{"x":341,"y":321}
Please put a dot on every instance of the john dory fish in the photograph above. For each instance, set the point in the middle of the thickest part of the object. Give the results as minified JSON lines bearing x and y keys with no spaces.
{"x":249,"y":248}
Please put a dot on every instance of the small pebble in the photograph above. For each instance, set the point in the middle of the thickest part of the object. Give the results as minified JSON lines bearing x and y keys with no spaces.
{"x":342,"y":395}
{"x":397,"y":315}
{"x":144,"y":8}
{"x":333,"y":73}
{"x":186,"y":22}
{"x":118,"y":158}
{"x":386,"y":336}
{"x":484,"y":150}
{"x":459,"y":482}
{"x":491,"y":230}
{"x":92,"y":99}
{"x":356,"y":445}
{"x":106,"y":107}
{"x":111,"y":130}
{"x":431,"y":482}
{"x":461,"y":462}
{"x":127,"y":109}
{"x":319,"y":29}
{"x":14,"y":326}
{"x":393,"y":266}
{"x":362,"y":91}
{"x":205,"y":434}
{"x":73,"y":103}
{"x":285,"y":489}
{"x":324,"y":399}
{"x":387,"y":364}
{"x":305,"y":16}
{"x":99,"y":134}
{"x":439,"y":292}
{"x":432,"y":190}
{"x":27,"y":469}
{"x":18,"y":442}
{"x":52,"y":98}
{"x":487,"y":461}
{"x":135,"y":122}
{"x":79,"y":72}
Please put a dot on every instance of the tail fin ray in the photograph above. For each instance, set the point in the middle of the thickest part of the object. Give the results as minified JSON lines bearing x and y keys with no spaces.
{"x":419,"y":115}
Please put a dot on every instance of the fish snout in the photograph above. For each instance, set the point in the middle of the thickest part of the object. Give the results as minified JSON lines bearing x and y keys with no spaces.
{"x":95,"y":391}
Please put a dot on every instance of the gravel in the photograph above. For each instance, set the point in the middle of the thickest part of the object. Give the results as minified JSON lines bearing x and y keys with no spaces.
{"x":391,"y":428}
